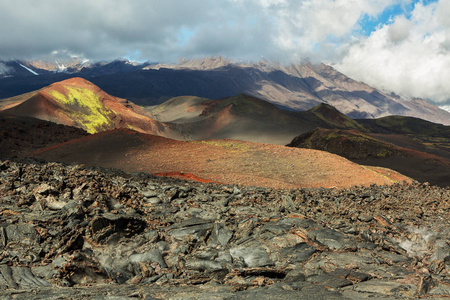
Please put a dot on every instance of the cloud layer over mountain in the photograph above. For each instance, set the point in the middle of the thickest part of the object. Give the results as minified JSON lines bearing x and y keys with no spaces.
{"x":163,"y":30}
{"x":410,"y":56}
{"x":408,"y":52}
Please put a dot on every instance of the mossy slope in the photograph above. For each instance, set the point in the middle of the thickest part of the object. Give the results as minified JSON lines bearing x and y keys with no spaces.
{"x":329,"y":117}
{"x":79,"y":103}
{"x":350,"y":144}
{"x":432,"y":135}
{"x":84,"y":107}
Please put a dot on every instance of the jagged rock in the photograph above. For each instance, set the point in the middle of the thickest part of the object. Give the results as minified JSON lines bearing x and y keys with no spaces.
{"x":204,"y":265}
{"x":295,"y":275}
{"x":110,"y":228}
{"x":442,"y":289}
{"x":220,"y":235}
{"x":19,"y":277}
{"x":386,"y":288}
{"x":331,"y":281}
{"x":21,"y":233}
{"x":252,"y":256}
{"x":153,"y":237}
{"x":195,"y":228}
{"x":153,"y":256}
{"x":331,"y":238}
{"x":8,"y":279}
{"x":352,"y":275}
{"x":298,"y":253}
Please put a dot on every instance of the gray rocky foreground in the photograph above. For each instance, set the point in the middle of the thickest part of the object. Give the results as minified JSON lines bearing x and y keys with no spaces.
{"x":69,"y":232}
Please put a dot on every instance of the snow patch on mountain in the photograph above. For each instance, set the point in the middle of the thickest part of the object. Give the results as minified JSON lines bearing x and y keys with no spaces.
{"x":28,"y":69}
{"x":445,"y":107}
{"x":61,"y":67}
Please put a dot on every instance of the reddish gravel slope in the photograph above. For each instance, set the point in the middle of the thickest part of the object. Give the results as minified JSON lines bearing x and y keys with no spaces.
{"x":224,"y":161}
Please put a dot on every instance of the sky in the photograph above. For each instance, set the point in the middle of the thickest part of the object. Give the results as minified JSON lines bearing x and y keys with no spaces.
{"x":396,"y":46}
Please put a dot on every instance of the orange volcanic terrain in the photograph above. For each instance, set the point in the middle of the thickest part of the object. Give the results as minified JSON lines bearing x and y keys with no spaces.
{"x":222,"y":161}
{"x":79,"y":103}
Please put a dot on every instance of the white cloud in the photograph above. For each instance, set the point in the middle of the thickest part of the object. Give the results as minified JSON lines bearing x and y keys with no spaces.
{"x":409,"y":56}
{"x":445,"y":107}
{"x":315,"y":28}
{"x":400,"y":29}
{"x":165,"y":30}
{"x":4,"y":69}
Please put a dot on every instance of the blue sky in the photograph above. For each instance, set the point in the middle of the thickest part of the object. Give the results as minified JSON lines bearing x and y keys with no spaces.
{"x":370,"y":24}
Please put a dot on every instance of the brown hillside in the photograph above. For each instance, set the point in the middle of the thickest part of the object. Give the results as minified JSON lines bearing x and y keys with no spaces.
{"x":40,"y":107}
{"x":77,"y":102}
{"x":224,"y":161}
{"x":240,"y":117}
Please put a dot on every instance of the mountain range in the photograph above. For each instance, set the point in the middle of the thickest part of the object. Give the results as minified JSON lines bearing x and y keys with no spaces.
{"x":295,"y":87}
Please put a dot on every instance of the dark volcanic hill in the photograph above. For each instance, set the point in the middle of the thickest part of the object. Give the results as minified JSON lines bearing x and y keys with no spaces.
{"x":327,"y":116}
{"x":351,"y":144}
{"x":412,"y":133}
{"x":245,"y":118}
{"x":425,"y":162}
{"x":20,"y":136}
{"x":296,"y":87}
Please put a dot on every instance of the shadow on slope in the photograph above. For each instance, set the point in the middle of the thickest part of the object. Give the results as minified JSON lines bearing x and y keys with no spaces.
{"x":19,"y":136}
{"x":368,"y":149}
{"x":245,"y":118}
{"x":351,"y":144}
{"x":412,"y":133}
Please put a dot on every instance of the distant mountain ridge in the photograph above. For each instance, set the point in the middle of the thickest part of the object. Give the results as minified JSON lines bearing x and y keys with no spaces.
{"x":24,"y":68}
{"x":303,"y":86}
{"x":294,"y":87}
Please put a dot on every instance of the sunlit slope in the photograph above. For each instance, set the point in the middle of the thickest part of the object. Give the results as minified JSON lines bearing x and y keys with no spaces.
{"x":79,"y":103}
{"x":85,"y":108}
{"x":223,"y":161}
